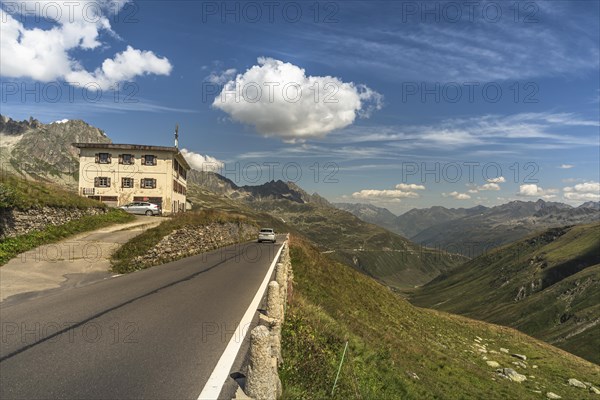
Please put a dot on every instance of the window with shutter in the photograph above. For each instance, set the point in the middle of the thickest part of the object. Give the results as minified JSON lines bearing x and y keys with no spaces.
{"x":107,"y":182}
{"x":104,"y":158}
{"x":97,"y":156}
{"x":120,"y":158}
{"x":96,"y":182}
{"x":143,"y":183}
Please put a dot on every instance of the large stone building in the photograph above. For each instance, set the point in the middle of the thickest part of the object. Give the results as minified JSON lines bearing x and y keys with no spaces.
{"x":117,"y":174}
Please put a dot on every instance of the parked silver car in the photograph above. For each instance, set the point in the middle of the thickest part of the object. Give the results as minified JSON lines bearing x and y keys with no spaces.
{"x":142,"y":208}
{"x":266,"y":235}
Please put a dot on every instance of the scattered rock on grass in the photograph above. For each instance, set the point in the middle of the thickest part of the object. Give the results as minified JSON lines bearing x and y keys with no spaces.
{"x":577,"y":383}
{"x":413,"y":375}
{"x":493,"y":364}
{"x":551,"y":395}
{"x":520,"y":356}
{"x":511,"y":374}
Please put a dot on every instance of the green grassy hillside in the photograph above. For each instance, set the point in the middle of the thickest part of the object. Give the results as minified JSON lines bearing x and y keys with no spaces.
{"x":547,"y":285}
{"x":398,"y":351}
{"x":370,"y":249}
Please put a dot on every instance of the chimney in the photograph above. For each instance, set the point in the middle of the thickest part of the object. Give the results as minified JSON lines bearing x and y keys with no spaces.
{"x":177,"y":136}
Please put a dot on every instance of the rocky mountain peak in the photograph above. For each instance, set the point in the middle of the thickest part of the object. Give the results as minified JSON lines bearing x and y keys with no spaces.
{"x":9,"y":126}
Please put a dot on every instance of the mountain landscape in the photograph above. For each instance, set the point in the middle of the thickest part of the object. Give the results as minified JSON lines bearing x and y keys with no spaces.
{"x":547,"y":285}
{"x":354,"y":276}
{"x":474,"y":231}
{"x":371,"y":249}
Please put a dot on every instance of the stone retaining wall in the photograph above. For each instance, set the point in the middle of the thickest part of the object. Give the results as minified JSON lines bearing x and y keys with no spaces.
{"x":262,"y":377}
{"x":192,"y":240}
{"x":15,"y":222}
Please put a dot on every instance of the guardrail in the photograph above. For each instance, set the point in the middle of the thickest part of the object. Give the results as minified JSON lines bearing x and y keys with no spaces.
{"x":262,"y":379}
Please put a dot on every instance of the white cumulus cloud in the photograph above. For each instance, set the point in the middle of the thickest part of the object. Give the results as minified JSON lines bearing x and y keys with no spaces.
{"x":489,"y":186}
{"x":410,"y":186}
{"x":279,"y":99}
{"x":370,"y":194}
{"x":533,"y":190}
{"x":499,"y":179}
{"x":48,"y":54}
{"x":457,"y":196}
{"x":588,"y":191}
{"x":201,"y":162}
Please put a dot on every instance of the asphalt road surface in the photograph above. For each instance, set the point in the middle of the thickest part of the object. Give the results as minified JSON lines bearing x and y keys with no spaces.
{"x":152,"y":334}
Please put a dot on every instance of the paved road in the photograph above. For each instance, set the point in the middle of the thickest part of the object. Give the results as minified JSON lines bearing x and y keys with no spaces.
{"x":75,"y":261}
{"x":153,"y":334}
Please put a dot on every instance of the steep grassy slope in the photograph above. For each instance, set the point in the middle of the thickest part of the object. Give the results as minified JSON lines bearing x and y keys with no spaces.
{"x":378,"y":253}
{"x":547,"y":285}
{"x":20,"y":194}
{"x":398,"y":351}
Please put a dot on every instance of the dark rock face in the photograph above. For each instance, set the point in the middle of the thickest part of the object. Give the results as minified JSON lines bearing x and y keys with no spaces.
{"x":9,"y":126}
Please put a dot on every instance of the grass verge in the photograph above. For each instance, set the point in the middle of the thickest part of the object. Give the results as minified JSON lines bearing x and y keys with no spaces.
{"x":24,"y":194}
{"x":11,"y":247}
{"x":398,"y":351}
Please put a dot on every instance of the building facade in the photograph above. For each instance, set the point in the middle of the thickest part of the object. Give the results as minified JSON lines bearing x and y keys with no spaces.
{"x":118,"y":174}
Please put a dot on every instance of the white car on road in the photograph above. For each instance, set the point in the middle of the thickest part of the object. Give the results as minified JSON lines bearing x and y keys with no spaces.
{"x":266,"y":235}
{"x":142,"y":208}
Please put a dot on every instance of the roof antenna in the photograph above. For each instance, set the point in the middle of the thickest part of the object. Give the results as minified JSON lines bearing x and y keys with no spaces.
{"x":177,"y":135}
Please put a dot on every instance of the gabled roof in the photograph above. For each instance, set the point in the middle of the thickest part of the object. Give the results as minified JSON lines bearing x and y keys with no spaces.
{"x":116,"y":146}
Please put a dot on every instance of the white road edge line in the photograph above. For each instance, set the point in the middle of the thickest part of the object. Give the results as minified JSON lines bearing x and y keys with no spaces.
{"x":214,"y":385}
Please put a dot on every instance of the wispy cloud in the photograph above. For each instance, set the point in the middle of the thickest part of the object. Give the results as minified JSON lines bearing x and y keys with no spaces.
{"x":525,"y":129}
{"x":481,"y":51}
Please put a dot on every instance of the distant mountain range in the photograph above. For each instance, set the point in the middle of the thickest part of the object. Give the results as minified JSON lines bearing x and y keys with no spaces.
{"x":43,"y":151}
{"x":546,"y":285}
{"x":274,"y":190}
{"x":473,"y":231}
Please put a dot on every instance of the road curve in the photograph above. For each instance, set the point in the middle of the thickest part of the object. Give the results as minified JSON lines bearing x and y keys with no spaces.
{"x":152,"y":334}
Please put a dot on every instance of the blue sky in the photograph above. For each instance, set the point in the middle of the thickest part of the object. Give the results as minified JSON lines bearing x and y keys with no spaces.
{"x":419,"y":103}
